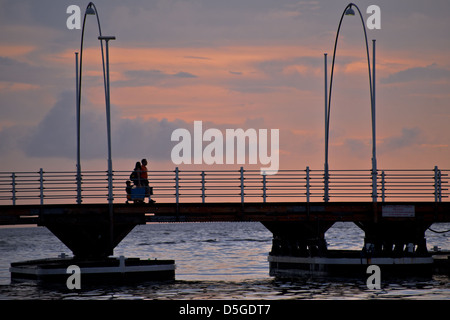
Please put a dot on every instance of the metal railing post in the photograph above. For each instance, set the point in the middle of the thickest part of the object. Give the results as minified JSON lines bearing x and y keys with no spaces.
{"x":242,"y":185}
{"x":13,"y":177}
{"x":437,"y":185}
{"x":326,"y":182}
{"x":41,"y":185}
{"x":383,"y":186}
{"x":203,"y":186}
{"x":78,"y":187}
{"x":177,"y":186}
{"x":264,"y":186}
{"x":307,"y":185}
{"x":374,"y":185}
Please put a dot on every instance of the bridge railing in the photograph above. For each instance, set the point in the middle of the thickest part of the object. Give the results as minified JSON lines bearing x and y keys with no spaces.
{"x":47,"y":187}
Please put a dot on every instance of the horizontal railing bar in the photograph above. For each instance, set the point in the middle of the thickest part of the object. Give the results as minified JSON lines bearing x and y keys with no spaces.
{"x":300,"y":184}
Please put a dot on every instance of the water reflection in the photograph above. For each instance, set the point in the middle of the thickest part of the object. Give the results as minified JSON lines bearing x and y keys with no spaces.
{"x":214,"y":261}
{"x":264,"y":289}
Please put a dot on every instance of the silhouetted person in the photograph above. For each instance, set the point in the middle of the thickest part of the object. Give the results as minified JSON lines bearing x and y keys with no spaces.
{"x":135,"y":176}
{"x":144,"y":173}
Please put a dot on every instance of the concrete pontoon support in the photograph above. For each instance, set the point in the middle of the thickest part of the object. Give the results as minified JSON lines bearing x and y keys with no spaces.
{"x":395,"y":238}
{"x":87,"y":233}
{"x":301,"y":239}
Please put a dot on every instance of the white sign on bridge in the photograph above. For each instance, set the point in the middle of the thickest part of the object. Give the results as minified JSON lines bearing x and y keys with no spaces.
{"x":398,"y":211}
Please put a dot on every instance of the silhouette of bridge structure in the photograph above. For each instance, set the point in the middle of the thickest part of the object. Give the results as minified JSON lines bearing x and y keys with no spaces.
{"x":290,"y":204}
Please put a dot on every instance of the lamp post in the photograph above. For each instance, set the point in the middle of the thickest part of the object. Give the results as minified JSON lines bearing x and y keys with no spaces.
{"x":78,"y":131}
{"x":108,"y":127}
{"x":92,"y":10}
{"x":350,"y":12}
{"x":108,"y":117}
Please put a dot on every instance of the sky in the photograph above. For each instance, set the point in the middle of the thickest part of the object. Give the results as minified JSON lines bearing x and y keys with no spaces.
{"x":250,"y":64}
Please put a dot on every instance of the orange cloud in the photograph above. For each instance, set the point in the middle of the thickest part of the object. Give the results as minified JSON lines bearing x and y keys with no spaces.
{"x":16,"y":86}
{"x":211,"y":87}
{"x":14,"y":51}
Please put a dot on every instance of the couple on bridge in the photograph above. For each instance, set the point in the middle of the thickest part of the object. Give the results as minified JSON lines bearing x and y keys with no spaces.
{"x":141,"y":188}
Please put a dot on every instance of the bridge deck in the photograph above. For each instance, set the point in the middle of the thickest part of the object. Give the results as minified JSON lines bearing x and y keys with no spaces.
{"x":432,"y":212}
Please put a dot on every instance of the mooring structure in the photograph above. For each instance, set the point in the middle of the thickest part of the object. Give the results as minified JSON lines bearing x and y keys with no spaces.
{"x":289,"y":204}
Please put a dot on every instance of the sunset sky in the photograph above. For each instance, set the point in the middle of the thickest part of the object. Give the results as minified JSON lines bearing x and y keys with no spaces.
{"x":231,"y":64}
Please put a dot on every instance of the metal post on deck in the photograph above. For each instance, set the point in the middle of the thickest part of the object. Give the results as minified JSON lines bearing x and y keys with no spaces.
{"x":264,"y":186}
{"x":13,"y":177}
{"x":307,"y":185}
{"x":383,"y":183}
{"x":374,"y":142}
{"x":78,"y":133}
{"x":203,"y":186}
{"x":437,"y":185}
{"x":177,"y":191}
{"x":242,"y":184}
{"x":41,"y":185}
{"x":325,"y":174}
{"x":326,"y":184}
{"x":374,"y":185}
{"x":108,"y":119}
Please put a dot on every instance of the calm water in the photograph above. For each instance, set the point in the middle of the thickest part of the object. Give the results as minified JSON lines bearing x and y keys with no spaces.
{"x":214,"y":261}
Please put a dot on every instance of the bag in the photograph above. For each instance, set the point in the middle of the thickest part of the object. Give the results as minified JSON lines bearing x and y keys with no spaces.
{"x":133,"y":176}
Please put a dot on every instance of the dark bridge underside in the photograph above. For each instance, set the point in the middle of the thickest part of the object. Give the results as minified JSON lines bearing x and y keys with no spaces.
{"x":86,"y":229}
{"x":206,"y":212}
{"x":90,"y":234}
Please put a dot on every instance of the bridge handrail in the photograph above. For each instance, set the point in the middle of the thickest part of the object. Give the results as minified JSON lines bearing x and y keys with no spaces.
{"x":238,"y":185}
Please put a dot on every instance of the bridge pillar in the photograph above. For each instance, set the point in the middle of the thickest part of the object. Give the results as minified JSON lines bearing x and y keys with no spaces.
{"x":87,"y":233}
{"x":298,"y":239}
{"x":395,"y":238}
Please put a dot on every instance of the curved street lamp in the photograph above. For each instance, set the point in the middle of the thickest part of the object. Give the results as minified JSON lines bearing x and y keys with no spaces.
{"x":350,"y":12}
{"x":92,"y":10}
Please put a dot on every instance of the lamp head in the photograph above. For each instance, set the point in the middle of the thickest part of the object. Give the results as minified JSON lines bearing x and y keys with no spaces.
{"x":350,"y":11}
{"x":90,"y":10}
